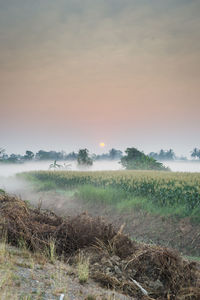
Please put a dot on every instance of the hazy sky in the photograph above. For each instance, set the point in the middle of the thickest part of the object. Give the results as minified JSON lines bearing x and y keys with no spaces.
{"x":74,"y":73}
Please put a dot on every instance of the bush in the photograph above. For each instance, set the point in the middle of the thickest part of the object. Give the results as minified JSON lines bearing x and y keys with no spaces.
{"x":136,"y":160}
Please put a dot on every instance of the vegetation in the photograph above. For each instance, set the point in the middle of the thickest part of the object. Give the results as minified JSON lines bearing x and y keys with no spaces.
{"x":177,"y":192}
{"x":42,"y":155}
{"x":83,"y":268}
{"x":83,"y":158}
{"x":163,"y":155}
{"x":195,"y":153}
{"x":136,"y":160}
{"x":113,"y":154}
{"x":104,"y":253}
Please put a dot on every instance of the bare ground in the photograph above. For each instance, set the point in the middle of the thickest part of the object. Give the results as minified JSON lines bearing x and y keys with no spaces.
{"x":138,"y":270}
{"x":181,"y":234}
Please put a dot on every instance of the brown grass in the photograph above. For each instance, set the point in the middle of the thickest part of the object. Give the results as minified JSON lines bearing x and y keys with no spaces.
{"x":35,"y":229}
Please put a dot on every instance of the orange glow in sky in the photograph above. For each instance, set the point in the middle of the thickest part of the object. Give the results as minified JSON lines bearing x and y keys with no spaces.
{"x":76,"y":73}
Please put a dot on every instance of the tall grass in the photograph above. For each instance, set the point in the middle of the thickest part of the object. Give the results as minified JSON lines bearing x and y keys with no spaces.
{"x":124,"y":202}
{"x":91,"y":194}
{"x":178,"y":193}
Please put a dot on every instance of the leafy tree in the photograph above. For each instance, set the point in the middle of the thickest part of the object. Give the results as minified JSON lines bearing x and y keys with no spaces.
{"x":2,"y":152}
{"x":163,"y":155}
{"x":104,"y":156}
{"x":170,"y":155}
{"x":112,"y":155}
{"x":13,"y":158}
{"x":137,"y":160}
{"x":71,"y":156}
{"x":83,"y":158}
{"x":115,"y":154}
{"x":49,"y":155}
{"x":196,"y":153}
{"x":29,"y":155}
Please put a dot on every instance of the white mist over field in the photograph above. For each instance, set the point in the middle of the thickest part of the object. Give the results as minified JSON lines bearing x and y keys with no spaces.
{"x":12,"y":169}
{"x":17,"y":186}
{"x":7,"y":170}
{"x":183,"y":166}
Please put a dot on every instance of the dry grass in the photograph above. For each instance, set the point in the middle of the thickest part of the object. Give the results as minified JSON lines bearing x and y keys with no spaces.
{"x":37,"y":230}
{"x":83,"y":268}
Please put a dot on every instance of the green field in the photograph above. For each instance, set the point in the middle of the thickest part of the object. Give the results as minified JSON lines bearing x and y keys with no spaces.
{"x":155,"y":191}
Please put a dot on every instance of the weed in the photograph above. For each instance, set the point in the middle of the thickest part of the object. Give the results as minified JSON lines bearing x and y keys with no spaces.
{"x":2,"y":250}
{"x":83,"y":268}
{"x":51,"y":250}
{"x":59,"y":280}
{"x":90,"y":297}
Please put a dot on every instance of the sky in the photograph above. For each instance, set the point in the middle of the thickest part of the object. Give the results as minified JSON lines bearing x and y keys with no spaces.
{"x":74,"y":73}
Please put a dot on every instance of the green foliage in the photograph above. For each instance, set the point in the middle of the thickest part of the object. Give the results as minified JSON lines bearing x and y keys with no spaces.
{"x":29,"y":155}
{"x":83,"y":269}
{"x":2,"y":192}
{"x":163,"y":155}
{"x":162,"y":189}
{"x":195,"y":153}
{"x":136,"y":160}
{"x":115,"y":154}
{"x":109,"y":195}
{"x":83,"y":158}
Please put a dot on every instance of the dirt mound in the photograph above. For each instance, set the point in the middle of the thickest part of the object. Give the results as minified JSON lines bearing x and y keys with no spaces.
{"x":37,"y":227}
{"x":141,"y":271}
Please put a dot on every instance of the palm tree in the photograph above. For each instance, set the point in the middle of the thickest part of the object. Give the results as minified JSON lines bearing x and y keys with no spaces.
{"x":55,"y":165}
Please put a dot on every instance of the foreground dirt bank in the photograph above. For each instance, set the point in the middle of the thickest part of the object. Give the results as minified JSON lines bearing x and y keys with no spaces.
{"x":179,"y":234}
{"x":113,"y":259}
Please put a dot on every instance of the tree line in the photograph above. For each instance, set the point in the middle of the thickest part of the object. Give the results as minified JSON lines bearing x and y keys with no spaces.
{"x":42,"y":155}
{"x":83,"y":156}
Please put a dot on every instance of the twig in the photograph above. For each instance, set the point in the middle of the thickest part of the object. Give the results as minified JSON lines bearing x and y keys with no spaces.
{"x":140,"y":287}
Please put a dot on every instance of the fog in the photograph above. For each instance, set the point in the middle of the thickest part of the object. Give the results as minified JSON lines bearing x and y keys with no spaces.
{"x":12,"y":169}
{"x":67,"y":205}
{"x":183,"y":166}
{"x":7,"y":170}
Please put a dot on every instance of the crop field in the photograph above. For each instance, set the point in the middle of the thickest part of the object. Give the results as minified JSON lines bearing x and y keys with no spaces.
{"x":163,"y":189}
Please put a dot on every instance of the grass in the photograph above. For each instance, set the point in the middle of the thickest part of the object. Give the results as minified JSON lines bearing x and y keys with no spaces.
{"x":91,"y":194}
{"x":83,"y":268}
{"x":124,"y":202}
{"x":51,"y":251}
{"x":14,"y":262}
{"x":59,"y":280}
{"x":193,"y":258}
{"x":164,"y":193}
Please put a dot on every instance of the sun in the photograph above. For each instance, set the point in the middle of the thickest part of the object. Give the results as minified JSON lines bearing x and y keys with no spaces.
{"x":102,"y":144}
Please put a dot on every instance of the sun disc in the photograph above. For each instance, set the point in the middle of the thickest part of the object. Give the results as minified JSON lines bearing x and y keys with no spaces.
{"x":102,"y":144}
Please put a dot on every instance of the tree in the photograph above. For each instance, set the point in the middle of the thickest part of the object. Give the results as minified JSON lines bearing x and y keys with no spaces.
{"x":115,"y":154}
{"x":13,"y":158}
{"x":71,"y":156}
{"x":29,"y":155}
{"x":169,"y":155}
{"x":196,"y":153}
{"x":163,"y":155}
{"x":2,"y":153}
{"x":83,"y":158}
{"x":137,"y":160}
{"x":49,"y":155}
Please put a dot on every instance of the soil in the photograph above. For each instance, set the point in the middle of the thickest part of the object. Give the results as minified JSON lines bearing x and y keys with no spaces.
{"x":137,"y":270}
{"x":35,"y":278}
{"x":179,"y":234}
